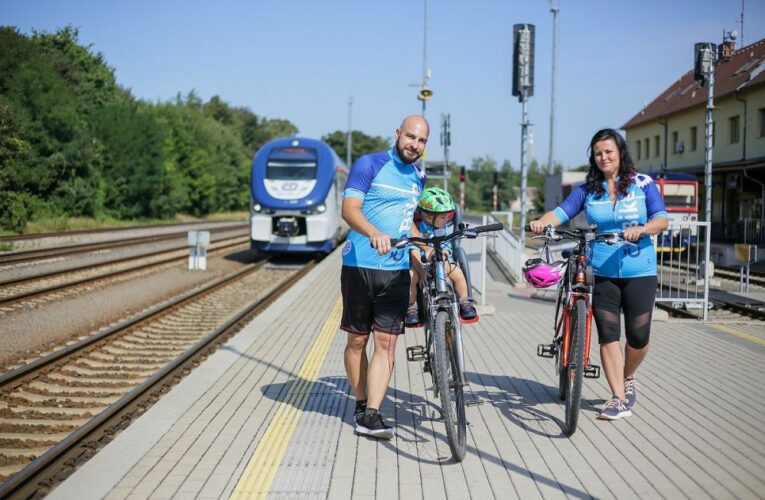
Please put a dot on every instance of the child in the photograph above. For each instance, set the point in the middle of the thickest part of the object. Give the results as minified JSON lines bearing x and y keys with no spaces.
{"x":434,"y":211}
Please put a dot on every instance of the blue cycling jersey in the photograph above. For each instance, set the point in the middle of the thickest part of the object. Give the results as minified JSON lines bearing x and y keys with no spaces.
{"x":642,"y":203}
{"x":389,"y":190}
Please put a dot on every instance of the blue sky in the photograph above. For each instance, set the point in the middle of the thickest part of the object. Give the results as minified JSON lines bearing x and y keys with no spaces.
{"x":301,"y":60}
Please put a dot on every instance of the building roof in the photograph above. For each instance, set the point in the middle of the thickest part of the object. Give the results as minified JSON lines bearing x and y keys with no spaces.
{"x":743,"y":70}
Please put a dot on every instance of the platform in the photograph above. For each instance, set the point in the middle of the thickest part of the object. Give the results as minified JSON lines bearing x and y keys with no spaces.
{"x":270,"y":414}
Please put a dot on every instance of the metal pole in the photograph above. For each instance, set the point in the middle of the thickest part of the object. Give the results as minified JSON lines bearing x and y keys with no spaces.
{"x":349,"y":141}
{"x":524,"y":140}
{"x":554,"y":9}
{"x":446,"y":142}
{"x":425,"y":54}
{"x":709,"y":133}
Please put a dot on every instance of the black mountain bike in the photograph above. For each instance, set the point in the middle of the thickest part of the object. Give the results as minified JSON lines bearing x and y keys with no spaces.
{"x":443,"y":352}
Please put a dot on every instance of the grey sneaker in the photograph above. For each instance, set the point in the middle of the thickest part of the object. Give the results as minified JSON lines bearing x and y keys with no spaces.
{"x":615,"y":408}
{"x":372,"y":424}
{"x":630,"y":391}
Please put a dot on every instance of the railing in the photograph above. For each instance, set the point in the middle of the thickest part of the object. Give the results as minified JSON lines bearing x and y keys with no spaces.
{"x":681,"y":256}
{"x":506,"y":246}
{"x":475,"y":252}
{"x":754,"y":232}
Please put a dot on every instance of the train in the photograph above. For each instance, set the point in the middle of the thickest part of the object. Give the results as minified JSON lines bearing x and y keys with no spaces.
{"x":681,"y":199}
{"x":296,"y":197}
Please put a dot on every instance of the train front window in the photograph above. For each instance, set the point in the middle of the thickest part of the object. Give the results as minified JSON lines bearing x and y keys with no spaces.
{"x":292,"y":164}
{"x":679,"y":195}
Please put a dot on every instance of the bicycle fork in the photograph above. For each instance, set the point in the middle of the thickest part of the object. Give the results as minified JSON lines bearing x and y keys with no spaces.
{"x":458,"y":342}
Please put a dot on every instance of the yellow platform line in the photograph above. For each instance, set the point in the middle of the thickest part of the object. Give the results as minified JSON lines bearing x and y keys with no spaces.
{"x":264,"y":464}
{"x":751,"y":338}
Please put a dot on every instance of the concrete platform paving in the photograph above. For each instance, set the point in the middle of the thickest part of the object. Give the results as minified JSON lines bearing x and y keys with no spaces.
{"x":270,"y":415}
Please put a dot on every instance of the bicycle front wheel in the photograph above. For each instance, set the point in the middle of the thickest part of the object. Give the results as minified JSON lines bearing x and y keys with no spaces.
{"x":575,"y":369}
{"x":449,"y":385}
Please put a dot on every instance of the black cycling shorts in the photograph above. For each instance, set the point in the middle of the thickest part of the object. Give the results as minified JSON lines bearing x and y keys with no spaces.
{"x":374,"y":300}
{"x":634,"y":297}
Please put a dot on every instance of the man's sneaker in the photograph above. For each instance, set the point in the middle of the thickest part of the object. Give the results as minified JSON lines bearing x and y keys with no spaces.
{"x":467,"y":310}
{"x":371,"y":424}
{"x":630,"y":391}
{"x":359,"y":412}
{"x":615,"y":408}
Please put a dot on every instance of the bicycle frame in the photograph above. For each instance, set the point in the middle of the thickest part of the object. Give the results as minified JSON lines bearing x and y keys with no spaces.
{"x":576,"y":265}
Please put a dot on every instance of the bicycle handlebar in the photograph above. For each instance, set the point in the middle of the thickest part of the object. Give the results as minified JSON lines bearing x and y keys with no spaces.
{"x":609,"y":238}
{"x":460,"y":233}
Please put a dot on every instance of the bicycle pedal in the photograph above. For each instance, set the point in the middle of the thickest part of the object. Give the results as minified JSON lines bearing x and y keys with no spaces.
{"x":426,"y":367}
{"x":415,"y":353}
{"x":547,"y":350}
{"x":592,"y":371}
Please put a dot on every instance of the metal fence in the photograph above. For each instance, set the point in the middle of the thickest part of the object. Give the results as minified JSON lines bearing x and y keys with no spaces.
{"x":682,"y":253}
{"x":506,"y":246}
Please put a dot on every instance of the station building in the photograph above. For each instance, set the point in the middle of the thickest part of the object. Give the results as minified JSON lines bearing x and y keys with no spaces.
{"x":669,"y":134}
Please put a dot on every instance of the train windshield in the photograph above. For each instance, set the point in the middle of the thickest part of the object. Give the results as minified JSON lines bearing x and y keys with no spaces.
{"x":679,"y":195}
{"x":292,"y":164}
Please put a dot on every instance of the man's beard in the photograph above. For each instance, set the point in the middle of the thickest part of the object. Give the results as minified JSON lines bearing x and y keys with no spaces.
{"x":404,"y":158}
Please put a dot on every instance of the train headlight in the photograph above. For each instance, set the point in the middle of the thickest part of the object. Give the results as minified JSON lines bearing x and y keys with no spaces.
{"x":257,"y":207}
{"x":321,"y":208}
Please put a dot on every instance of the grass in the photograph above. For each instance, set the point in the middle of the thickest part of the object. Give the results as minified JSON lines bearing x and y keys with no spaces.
{"x":54,"y":224}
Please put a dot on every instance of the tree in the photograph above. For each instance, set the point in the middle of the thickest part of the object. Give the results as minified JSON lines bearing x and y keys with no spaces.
{"x":361,"y":144}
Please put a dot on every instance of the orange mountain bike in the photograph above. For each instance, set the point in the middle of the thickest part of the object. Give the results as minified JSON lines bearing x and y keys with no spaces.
{"x":572,"y":328}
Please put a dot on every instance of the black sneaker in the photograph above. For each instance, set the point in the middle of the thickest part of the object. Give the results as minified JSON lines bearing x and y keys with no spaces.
{"x":372,"y":424}
{"x":467,"y":311}
{"x":630,"y":391}
{"x":359,"y":412}
{"x":413,"y":318}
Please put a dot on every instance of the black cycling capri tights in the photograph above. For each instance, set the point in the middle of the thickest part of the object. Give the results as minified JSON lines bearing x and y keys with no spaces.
{"x":634,"y":296}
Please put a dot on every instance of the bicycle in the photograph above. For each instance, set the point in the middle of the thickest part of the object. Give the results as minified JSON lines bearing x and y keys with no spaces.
{"x":572,"y":330}
{"x":443,"y":351}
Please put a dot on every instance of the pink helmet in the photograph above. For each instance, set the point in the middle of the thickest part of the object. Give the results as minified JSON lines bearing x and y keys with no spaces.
{"x":542,"y":274}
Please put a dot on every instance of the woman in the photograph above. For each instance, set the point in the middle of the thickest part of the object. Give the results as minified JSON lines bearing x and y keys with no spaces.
{"x":617,"y":198}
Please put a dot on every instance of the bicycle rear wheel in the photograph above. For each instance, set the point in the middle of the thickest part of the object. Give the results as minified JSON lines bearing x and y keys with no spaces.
{"x":575,"y":370}
{"x":449,"y":385}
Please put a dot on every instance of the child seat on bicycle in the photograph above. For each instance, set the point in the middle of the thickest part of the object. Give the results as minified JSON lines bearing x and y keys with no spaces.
{"x":435,"y":217}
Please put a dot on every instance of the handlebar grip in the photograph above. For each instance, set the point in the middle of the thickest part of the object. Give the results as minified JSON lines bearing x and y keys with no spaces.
{"x":497,"y":226}
{"x":527,"y":228}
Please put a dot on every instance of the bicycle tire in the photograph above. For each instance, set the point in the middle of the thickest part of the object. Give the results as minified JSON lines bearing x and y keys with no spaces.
{"x":575,"y":369}
{"x":449,"y":387}
{"x":562,"y":382}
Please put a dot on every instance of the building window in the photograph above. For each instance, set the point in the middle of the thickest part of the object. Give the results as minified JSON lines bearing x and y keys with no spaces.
{"x":647,"y":148}
{"x":637,"y":148}
{"x":676,"y":147}
{"x":733,"y":129}
{"x":656,"y":146}
{"x":761,"y":113}
{"x":694,"y":138}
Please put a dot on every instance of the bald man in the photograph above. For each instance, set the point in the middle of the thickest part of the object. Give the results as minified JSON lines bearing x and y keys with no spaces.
{"x":380,"y":197}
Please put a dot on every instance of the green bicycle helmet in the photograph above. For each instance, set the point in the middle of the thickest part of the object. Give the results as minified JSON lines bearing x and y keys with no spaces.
{"x":436,"y":200}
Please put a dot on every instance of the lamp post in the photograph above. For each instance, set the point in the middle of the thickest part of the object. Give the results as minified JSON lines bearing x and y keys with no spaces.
{"x":554,"y":8}
{"x":523,"y":87}
{"x":349,"y":139}
{"x":704,"y":71}
{"x":446,"y":141}
{"x":425,"y":93}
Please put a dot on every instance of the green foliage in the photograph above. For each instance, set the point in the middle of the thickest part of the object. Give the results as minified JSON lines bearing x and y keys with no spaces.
{"x":73,"y":143}
{"x":361,"y":144}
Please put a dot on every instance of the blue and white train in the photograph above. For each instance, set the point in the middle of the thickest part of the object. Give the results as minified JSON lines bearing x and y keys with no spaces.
{"x":296,"y":197}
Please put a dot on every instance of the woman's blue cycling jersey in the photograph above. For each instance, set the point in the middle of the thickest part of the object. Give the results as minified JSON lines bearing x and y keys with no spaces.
{"x":389,"y":190}
{"x":642,"y":203}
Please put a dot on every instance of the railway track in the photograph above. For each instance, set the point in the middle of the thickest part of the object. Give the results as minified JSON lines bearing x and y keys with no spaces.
{"x":58,"y":410}
{"x":40,"y":288}
{"x":32,"y":255}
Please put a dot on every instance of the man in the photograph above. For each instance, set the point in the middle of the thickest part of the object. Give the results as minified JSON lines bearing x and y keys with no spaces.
{"x":380,"y":197}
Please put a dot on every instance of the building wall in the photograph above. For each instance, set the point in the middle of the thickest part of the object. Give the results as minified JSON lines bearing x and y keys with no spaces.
{"x":685,"y":157}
